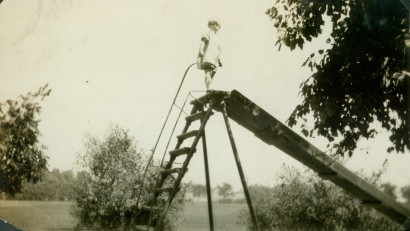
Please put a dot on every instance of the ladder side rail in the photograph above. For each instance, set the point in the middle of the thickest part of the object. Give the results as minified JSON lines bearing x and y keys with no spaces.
{"x":184,"y":168}
{"x":168,"y":143}
{"x":195,"y":108}
{"x":160,"y":178}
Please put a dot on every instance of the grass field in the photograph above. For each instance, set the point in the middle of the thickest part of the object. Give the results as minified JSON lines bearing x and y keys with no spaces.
{"x":37,"y":215}
{"x":196,"y":217}
{"x":47,"y":216}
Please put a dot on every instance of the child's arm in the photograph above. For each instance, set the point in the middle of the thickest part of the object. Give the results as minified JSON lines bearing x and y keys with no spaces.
{"x":219,"y":62}
{"x":202,"y":47}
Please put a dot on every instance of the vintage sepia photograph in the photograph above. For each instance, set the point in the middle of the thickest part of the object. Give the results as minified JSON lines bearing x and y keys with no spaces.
{"x":219,"y":115}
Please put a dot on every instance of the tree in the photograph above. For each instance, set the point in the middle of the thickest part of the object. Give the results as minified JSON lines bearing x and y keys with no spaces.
{"x":360,"y":79}
{"x":106,"y":189}
{"x":198,"y":190}
{"x":55,"y":186}
{"x":389,"y":189}
{"x":225,"y":191}
{"x":22,"y":157}
{"x":65,"y":189}
{"x":305,"y":202}
{"x":405,"y":192}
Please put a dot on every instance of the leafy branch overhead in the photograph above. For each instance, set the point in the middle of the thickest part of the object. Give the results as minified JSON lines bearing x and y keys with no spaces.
{"x":361,"y":79}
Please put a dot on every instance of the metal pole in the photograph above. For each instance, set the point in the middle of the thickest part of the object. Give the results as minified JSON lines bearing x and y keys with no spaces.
{"x":208,"y":183}
{"x":240,"y":170}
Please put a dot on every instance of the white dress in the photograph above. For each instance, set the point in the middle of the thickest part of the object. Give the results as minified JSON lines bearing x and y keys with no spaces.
{"x":211,"y":51}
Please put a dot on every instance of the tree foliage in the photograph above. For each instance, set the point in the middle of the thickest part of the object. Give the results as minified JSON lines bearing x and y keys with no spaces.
{"x":360,"y":79}
{"x":55,"y":186}
{"x":21,"y":155}
{"x":405,"y":192}
{"x":389,"y":189}
{"x":225,"y":191}
{"x":107,"y":188}
{"x":305,"y":202}
{"x":198,"y":190}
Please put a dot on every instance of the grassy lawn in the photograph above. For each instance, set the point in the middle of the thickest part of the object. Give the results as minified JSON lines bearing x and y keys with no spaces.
{"x":38,"y":215}
{"x":196,"y":217}
{"x":55,"y":215}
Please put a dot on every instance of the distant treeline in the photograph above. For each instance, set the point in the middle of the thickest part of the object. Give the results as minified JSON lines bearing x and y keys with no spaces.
{"x":56,"y":186}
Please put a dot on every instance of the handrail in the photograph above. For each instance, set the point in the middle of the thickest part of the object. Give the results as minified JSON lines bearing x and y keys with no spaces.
{"x":160,"y":134}
{"x":164,"y":154}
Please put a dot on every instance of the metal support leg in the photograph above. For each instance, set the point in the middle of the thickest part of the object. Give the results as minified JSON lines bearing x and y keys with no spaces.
{"x":208,"y":183}
{"x":240,"y":170}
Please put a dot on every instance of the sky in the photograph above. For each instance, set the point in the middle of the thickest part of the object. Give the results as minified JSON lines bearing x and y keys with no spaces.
{"x":122,"y":64}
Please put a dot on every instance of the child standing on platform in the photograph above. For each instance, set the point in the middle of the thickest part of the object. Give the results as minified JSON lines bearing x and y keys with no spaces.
{"x":209,"y":52}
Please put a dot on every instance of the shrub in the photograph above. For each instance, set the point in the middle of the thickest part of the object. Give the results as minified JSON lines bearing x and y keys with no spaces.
{"x":306,"y":202}
{"x":107,"y":188}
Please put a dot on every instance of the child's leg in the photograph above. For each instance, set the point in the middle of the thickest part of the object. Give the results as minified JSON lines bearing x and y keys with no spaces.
{"x":208,"y":78}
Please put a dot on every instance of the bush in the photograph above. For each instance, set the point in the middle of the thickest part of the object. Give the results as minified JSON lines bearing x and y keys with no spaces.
{"x":305,"y":202}
{"x":107,"y":188}
{"x":56,"y":186}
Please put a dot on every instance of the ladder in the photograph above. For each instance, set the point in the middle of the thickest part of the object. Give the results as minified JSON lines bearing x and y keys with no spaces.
{"x":169,"y":178}
{"x":158,"y":207}
{"x":160,"y":204}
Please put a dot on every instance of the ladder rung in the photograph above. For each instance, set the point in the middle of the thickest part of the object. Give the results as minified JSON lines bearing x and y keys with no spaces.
{"x":144,"y":228}
{"x":160,"y":190}
{"x":171,"y":171}
{"x":198,"y":102}
{"x":188,"y":134}
{"x":196,"y":116}
{"x":181,"y":151}
{"x":152,"y":208}
{"x":197,"y":106}
{"x":208,"y":97}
